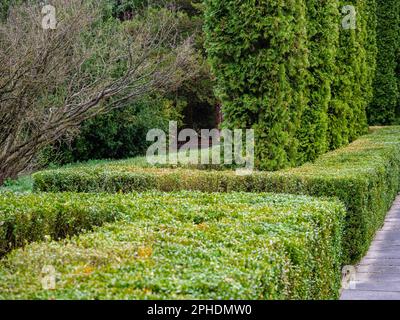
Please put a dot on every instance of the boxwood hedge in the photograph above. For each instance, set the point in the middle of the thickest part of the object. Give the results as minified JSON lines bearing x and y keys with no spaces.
{"x":365,"y":176}
{"x":36,"y":217}
{"x":186,"y":245}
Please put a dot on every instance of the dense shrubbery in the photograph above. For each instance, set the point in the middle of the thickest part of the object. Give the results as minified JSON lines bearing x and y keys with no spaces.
{"x":110,"y":136}
{"x":285,"y":69}
{"x":122,"y":133}
{"x":114,"y":135}
{"x":35,"y":217}
{"x":104,"y":65}
{"x":384,"y":107}
{"x":365,"y":176}
{"x":195,"y":99}
{"x":174,"y":246}
{"x":288,"y":69}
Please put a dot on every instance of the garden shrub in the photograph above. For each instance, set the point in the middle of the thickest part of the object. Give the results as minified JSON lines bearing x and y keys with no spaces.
{"x":383,"y":109}
{"x":178,"y":246}
{"x":365,"y":176}
{"x":33,"y":217}
{"x":117,"y":134}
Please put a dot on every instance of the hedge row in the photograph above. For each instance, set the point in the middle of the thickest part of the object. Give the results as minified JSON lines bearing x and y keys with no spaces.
{"x":177,"y":246}
{"x":37,"y":217}
{"x":290,"y":71}
{"x":365,"y":176}
{"x":384,"y":107}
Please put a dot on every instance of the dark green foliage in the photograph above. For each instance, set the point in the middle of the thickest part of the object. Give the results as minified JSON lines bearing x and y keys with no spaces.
{"x":398,"y":83}
{"x":4,"y":6}
{"x":383,"y":109}
{"x":173,"y":246}
{"x":370,"y":35}
{"x":363,"y":62}
{"x":258,"y":54}
{"x":197,"y":101}
{"x":41,"y":216}
{"x":195,"y":98}
{"x":355,"y":68}
{"x":118,"y":134}
{"x":365,"y":176}
{"x":323,"y":33}
{"x":287,"y":69}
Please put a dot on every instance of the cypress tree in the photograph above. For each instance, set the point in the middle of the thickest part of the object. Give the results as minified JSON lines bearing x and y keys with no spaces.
{"x":323,"y":38}
{"x":383,"y":108}
{"x":258,"y":53}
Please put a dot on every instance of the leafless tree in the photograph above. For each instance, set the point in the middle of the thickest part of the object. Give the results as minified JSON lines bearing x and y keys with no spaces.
{"x":52,"y":80}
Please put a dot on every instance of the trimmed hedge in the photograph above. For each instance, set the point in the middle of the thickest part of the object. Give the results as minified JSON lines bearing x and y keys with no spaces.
{"x":177,"y":246}
{"x":35,"y":217}
{"x":365,"y":176}
{"x":383,"y":109}
{"x":289,"y":70}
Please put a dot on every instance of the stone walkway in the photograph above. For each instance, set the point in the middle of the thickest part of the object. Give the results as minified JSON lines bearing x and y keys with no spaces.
{"x":378,"y":273}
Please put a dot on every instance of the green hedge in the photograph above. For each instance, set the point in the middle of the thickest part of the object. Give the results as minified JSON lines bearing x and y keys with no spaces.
{"x":365,"y":176}
{"x":289,"y":70}
{"x":177,"y":246}
{"x":35,"y":217}
{"x":383,"y":109}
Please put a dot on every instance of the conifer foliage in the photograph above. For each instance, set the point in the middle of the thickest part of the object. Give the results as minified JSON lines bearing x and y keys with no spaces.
{"x":383,"y":110}
{"x":291,"y":71}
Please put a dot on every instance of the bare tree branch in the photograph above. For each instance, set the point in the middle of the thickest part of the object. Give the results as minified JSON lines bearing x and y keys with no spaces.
{"x":52,"y":80}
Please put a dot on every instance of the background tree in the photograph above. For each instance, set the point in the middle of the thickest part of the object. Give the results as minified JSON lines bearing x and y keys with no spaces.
{"x":53,"y":80}
{"x":121,"y":133}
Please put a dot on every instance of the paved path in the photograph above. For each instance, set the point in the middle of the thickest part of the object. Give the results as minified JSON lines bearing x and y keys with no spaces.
{"x":378,"y":273}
